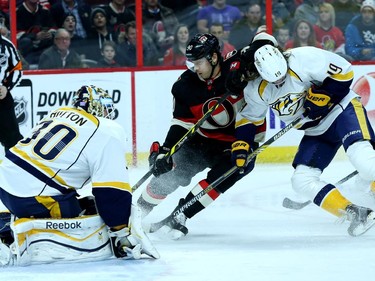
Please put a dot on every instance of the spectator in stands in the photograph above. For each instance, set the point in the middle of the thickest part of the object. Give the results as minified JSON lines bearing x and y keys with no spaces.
{"x":282,"y":36}
{"x":109,"y":54}
{"x":219,"y":12}
{"x":35,"y":30}
{"x":4,"y":6}
{"x":60,"y":55}
{"x":79,"y":9}
{"x":118,"y":14}
{"x":159,"y":22}
{"x":76,"y":43}
{"x":308,"y":11}
{"x":345,"y":11}
{"x":178,"y":6}
{"x":187,"y":14}
{"x":217,"y":29}
{"x":175,"y":55}
{"x":360,"y":33}
{"x":4,"y":24}
{"x":243,"y":31}
{"x":330,"y":37}
{"x":127,"y":50}
{"x":281,"y":15}
{"x":303,"y":35}
{"x":99,"y":33}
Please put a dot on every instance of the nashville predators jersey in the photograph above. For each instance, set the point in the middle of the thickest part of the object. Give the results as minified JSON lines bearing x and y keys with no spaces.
{"x":65,"y":151}
{"x":306,"y":66}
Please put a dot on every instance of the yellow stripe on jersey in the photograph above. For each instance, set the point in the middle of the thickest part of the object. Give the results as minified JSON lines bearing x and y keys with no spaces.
{"x":89,"y":116}
{"x":40,"y":165}
{"x":244,"y":122}
{"x":113,"y":184}
{"x":358,"y":108}
{"x":51,"y":204}
{"x":334,"y":203}
{"x":293,"y":74}
{"x":262,"y":87}
{"x":343,"y":76}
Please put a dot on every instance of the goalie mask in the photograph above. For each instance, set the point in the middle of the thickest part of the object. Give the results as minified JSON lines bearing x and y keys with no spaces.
{"x":271,"y":64}
{"x":95,"y":101}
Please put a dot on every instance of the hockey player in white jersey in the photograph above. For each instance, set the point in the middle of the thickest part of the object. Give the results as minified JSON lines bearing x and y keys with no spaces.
{"x":42,"y":174}
{"x":316,"y":83}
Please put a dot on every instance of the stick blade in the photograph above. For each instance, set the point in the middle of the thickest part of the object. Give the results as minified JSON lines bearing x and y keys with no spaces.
{"x":294,"y":205}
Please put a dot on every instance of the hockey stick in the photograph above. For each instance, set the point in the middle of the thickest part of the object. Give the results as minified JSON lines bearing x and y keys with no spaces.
{"x":294,"y":205}
{"x":156,"y":226}
{"x":187,"y":136}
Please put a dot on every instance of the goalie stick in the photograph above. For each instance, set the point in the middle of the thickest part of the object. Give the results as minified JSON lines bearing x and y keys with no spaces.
{"x":153,"y":227}
{"x":295,"y":205}
{"x":187,"y":136}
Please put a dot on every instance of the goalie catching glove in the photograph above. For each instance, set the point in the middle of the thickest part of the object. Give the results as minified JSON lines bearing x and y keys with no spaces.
{"x":240,"y":152}
{"x":318,"y":103}
{"x":158,"y":163}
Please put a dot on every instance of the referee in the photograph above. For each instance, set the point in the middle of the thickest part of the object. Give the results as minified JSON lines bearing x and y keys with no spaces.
{"x":10,"y":75}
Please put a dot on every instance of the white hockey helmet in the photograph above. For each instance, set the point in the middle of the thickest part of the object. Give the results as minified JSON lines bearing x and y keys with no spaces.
{"x":270,"y":63}
{"x":265,"y":36}
{"x":95,"y":101}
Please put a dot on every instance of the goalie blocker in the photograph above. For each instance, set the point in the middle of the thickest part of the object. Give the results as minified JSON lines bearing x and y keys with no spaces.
{"x":85,"y":238}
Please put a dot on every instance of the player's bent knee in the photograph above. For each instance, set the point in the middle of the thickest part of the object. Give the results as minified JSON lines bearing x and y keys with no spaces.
{"x":362,"y":155}
{"x":60,"y":240}
{"x":306,"y":181}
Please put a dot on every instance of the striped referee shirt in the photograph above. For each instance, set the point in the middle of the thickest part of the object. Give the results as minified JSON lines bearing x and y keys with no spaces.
{"x":10,"y":64}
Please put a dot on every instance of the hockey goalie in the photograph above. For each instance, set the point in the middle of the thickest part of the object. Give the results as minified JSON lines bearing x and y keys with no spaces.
{"x":70,"y":149}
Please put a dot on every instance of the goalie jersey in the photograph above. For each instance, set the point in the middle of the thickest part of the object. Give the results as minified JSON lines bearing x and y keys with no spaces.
{"x":65,"y":151}
{"x":287,"y":100}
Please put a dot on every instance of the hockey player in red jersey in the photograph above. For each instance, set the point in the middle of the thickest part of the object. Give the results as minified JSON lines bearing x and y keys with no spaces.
{"x":313,"y":82}
{"x":194,"y":92}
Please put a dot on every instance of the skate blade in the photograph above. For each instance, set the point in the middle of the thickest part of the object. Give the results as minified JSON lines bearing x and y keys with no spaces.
{"x":362,"y":228}
{"x":172,"y":234}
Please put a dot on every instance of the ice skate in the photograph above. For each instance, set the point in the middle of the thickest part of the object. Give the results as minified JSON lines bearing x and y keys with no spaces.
{"x":361,"y":219}
{"x":173,"y":226}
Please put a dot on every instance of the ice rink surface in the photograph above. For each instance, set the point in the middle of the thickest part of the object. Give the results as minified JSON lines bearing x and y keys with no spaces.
{"x":245,"y":235}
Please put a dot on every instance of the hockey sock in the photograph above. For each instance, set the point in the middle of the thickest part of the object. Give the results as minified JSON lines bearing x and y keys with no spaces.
{"x":330,"y":199}
{"x":203,"y":202}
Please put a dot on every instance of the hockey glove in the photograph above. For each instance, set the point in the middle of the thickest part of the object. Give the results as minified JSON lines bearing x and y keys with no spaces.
{"x":318,"y":103}
{"x":157,"y":160}
{"x":240,"y":151}
{"x":124,"y":244}
{"x":131,"y":243}
{"x":234,"y":82}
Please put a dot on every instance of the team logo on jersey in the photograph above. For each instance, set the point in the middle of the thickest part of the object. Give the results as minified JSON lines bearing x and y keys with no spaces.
{"x":289,"y":104}
{"x":20,"y":110}
{"x":364,"y":86}
{"x":235,"y":65}
{"x":222,"y":117}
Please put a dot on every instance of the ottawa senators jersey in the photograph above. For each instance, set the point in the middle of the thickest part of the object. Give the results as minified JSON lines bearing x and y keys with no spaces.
{"x":306,"y":66}
{"x":193,"y":97}
{"x":65,"y":151}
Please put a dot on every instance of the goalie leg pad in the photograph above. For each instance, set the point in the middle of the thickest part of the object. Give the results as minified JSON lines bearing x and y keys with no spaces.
{"x":60,"y":240}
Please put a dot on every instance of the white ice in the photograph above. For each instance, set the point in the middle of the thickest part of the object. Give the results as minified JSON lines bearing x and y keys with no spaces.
{"x":245,"y":235}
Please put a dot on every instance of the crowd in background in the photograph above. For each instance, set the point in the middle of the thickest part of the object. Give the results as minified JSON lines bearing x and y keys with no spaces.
{"x":55,"y":34}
